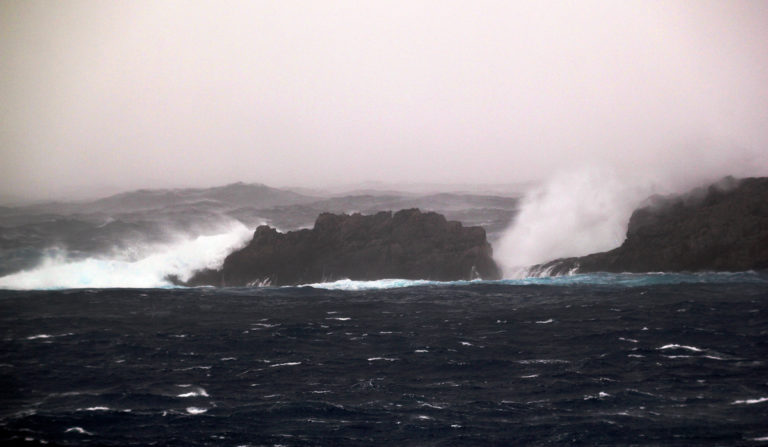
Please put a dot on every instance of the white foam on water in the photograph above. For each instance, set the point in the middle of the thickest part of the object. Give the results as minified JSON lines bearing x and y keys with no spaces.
{"x":390,"y":283}
{"x":600,"y":395}
{"x":541,"y":361}
{"x":122,"y":269}
{"x":196,"y":410}
{"x":750,"y":401}
{"x":46,"y":336}
{"x":80,"y":430}
{"x":674,"y":346}
{"x":94,"y":409}
{"x":198,"y":392}
{"x":276,"y":365}
{"x":623,"y":279}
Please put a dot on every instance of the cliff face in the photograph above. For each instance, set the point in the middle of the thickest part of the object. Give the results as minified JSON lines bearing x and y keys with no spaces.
{"x":409,"y":245}
{"x":720,"y":228}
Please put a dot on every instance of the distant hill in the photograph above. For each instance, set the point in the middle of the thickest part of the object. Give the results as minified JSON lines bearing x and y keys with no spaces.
{"x":235,"y":194}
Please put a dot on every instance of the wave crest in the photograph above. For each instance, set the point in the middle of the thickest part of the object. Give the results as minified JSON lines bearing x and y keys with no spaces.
{"x":125,"y":269}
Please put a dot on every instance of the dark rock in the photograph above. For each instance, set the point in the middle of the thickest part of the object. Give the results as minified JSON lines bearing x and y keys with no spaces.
{"x":408,"y":245}
{"x":720,"y":228}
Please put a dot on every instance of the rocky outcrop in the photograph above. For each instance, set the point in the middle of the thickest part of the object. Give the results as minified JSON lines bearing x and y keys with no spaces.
{"x":720,"y":228}
{"x":408,"y":245}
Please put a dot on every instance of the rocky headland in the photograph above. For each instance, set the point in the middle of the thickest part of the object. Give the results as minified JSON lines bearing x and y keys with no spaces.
{"x":723,"y":227}
{"x":408,"y":244}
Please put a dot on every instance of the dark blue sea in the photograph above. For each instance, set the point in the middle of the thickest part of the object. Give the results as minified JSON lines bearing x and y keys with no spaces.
{"x":582,"y":360}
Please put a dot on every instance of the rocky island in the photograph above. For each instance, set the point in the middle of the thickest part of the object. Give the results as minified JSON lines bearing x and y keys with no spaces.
{"x":408,"y":244}
{"x":723,"y":227}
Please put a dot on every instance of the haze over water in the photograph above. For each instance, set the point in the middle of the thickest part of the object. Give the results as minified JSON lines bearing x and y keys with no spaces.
{"x":105,"y":97}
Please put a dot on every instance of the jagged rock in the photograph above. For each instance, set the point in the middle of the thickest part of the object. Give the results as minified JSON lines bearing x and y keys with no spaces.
{"x":720,"y":228}
{"x":408,"y":245}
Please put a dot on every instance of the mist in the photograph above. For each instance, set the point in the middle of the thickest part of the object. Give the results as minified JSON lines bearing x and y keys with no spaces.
{"x":100,"y":97}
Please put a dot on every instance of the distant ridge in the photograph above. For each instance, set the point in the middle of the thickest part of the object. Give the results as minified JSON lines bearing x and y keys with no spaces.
{"x":237,"y":194}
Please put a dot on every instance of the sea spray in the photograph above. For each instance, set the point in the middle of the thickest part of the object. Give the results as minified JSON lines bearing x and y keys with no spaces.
{"x":180,"y":257}
{"x":576,"y":213}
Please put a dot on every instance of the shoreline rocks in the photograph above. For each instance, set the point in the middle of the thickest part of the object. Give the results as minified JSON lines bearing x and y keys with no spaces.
{"x":408,"y":244}
{"x":723,"y":227}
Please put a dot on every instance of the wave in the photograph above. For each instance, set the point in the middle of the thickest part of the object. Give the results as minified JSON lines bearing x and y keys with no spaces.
{"x":147,"y":269}
{"x":577,"y":212}
{"x":622,"y":279}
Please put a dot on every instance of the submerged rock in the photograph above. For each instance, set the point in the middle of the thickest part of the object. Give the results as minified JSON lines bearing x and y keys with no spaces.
{"x":720,"y":228}
{"x":408,"y":245}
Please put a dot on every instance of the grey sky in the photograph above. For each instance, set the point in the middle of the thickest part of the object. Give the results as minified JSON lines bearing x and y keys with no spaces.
{"x":98,"y":96}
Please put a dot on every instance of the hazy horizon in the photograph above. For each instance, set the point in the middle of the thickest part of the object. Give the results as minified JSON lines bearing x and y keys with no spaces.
{"x":104,"y":97}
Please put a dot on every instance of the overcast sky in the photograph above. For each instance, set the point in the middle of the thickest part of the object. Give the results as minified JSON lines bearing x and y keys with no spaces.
{"x":107,"y":95}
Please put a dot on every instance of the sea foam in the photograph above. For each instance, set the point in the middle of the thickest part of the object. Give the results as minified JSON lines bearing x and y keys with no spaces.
{"x":180,"y":258}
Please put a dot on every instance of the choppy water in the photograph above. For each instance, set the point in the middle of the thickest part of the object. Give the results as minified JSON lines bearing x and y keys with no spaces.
{"x":594,"y":362}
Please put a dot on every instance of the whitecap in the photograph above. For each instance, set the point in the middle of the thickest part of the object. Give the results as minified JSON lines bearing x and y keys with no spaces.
{"x":285,"y":364}
{"x":675,"y":346}
{"x":750,"y":401}
{"x":78,"y":430}
{"x":387,"y":359}
{"x":94,"y":409}
{"x":391,"y":283}
{"x":198,"y":392}
{"x":598,"y":396}
{"x":545,"y":321}
{"x":196,"y":410}
{"x":541,"y":361}
{"x":35,"y":337}
{"x":44,"y":336}
{"x":428,"y":405}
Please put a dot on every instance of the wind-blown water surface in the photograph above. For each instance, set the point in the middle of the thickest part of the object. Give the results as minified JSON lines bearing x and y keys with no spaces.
{"x":590,"y":359}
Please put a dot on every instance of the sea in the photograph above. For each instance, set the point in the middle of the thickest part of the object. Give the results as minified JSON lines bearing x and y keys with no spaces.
{"x":602,"y":359}
{"x":97,"y":348}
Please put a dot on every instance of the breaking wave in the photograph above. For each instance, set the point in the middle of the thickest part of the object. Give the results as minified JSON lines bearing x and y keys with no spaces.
{"x":127,"y":269}
{"x":574,"y":214}
{"x":621,"y":279}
